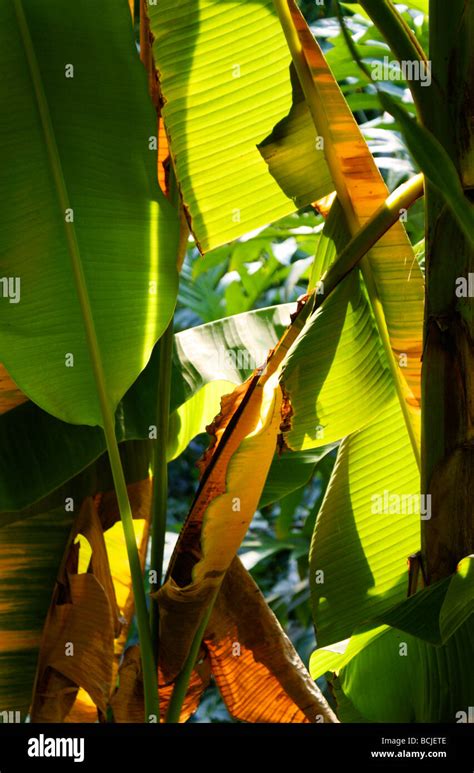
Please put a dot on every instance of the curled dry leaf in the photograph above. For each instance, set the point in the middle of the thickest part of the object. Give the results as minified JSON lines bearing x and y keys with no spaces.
{"x":257,"y":670}
{"x":77,"y":651}
{"x":90,"y":611}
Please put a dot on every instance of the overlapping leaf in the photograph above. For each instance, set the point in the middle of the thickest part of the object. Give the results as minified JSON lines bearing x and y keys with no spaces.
{"x":391,"y":274}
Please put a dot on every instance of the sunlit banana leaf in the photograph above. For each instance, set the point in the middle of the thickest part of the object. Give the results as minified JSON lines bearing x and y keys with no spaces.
{"x":68,"y":188}
{"x":223,"y":70}
{"x":337,"y":361}
{"x":361,"y":541}
{"x":292,"y":153}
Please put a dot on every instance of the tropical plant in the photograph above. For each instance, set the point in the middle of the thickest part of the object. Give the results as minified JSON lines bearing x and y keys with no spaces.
{"x":209,"y":253}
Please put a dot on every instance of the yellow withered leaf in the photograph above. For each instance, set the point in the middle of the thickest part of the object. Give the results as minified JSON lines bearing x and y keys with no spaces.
{"x":78,"y":638}
{"x":84,"y":708}
{"x":89,"y":526}
{"x":220,"y":516}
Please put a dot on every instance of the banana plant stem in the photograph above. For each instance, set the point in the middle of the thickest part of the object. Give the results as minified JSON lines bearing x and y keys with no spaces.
{"x":160,"y":461}
{"x":160,"y":478}
{"x":150,"y":684}
{"x":376,"y":226}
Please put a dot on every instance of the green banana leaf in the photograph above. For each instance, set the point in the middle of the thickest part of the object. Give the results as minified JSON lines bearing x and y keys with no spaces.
{"x":436,"y":613}
{"x":290,"y":471}
{"x":427,"y":684}
{"x":79,"y":182}
{"x":387,"y":674}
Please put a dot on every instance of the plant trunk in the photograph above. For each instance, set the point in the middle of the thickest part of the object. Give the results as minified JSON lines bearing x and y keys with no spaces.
{"x":448,"y":358}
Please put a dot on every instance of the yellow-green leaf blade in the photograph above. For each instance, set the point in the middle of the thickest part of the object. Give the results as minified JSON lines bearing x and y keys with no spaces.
{"x":223,"y":70}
